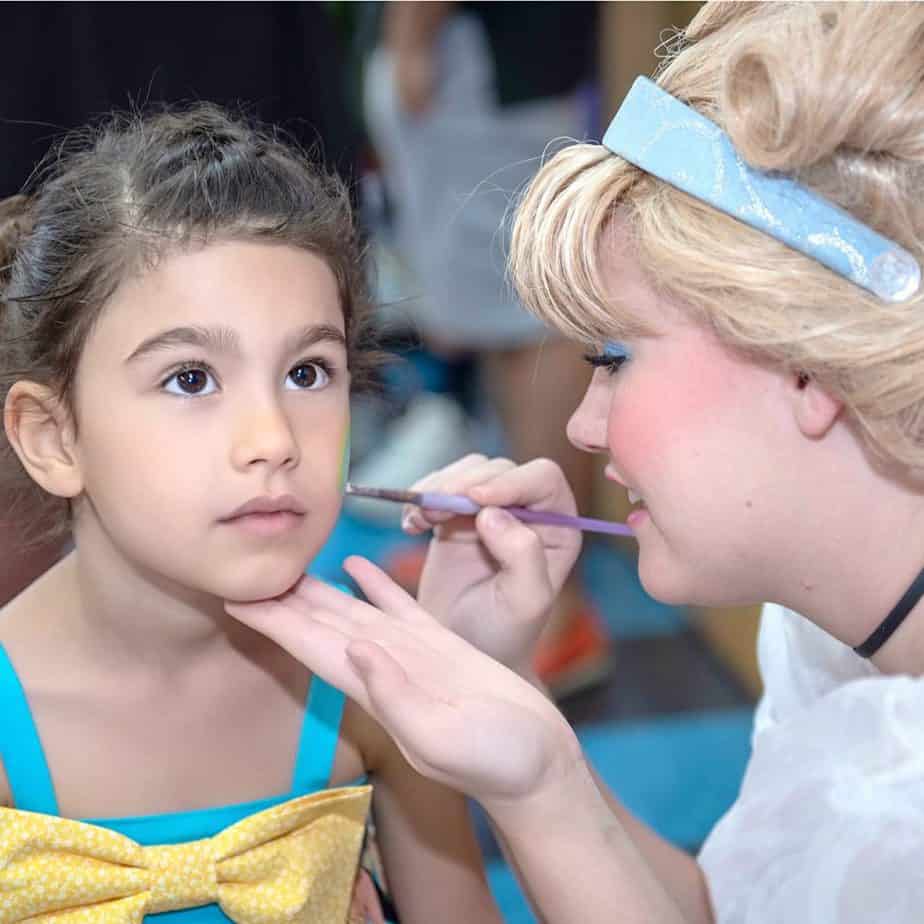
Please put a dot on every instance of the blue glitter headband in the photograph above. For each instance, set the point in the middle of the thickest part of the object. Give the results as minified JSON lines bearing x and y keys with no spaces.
{"x":675,"y":143}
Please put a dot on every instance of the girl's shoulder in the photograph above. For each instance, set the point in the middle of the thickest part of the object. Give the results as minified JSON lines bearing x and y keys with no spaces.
{"x":30,"y":617}
{"x":30,"y":633}
{"x":20,"y":631}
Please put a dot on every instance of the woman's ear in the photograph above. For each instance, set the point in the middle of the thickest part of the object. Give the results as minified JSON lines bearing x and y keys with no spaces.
{"x":815,"y":408}
{"x":41,"y":431}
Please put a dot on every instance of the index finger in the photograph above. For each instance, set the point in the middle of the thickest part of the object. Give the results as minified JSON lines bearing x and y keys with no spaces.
{"x":539,"y":484}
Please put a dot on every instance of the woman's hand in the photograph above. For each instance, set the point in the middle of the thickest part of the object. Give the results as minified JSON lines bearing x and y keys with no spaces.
{"x":493,"y":579}
{"x":458,"y":716}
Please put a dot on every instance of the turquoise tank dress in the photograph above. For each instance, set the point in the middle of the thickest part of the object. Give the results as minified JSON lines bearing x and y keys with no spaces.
{"x":32,"y":789}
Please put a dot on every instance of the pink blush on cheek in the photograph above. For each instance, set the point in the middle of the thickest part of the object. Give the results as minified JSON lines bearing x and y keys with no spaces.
{"x":665,"y":416}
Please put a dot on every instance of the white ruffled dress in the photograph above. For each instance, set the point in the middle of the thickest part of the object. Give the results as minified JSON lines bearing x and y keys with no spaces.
{"x":829,"y":824}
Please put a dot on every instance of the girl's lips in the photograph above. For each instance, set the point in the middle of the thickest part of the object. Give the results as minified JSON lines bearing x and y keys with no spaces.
{"x":267,"y":524}
{"x":285,"y":503}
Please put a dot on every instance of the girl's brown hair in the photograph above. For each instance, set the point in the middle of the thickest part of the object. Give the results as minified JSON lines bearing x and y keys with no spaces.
{"x":117,"y":198}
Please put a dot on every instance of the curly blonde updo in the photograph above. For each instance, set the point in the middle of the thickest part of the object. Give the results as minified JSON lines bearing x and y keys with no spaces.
{"x":831,"y":93}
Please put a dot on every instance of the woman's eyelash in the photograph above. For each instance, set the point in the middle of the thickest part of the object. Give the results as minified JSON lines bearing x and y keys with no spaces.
{"x":609,"y":361}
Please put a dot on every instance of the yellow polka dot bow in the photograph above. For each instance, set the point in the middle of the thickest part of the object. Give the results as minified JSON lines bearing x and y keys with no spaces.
{"x":293,"y":862}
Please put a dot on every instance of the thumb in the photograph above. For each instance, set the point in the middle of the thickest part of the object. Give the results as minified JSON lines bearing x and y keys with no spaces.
{"x":400,"y":706}
{"x":382,"y":676}
{"x":524,"y":578}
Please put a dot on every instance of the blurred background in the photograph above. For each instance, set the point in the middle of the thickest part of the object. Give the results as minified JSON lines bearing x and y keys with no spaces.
{"x":438,"y":114}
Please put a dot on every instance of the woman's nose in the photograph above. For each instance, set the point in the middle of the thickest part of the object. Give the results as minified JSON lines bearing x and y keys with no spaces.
{"x":587,"y":426}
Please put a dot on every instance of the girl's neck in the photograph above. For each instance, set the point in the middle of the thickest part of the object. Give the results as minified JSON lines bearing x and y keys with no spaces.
{"x":125,"y":615}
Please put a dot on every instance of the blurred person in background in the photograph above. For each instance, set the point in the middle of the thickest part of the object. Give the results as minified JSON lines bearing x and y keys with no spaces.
{"x":461,"y":101}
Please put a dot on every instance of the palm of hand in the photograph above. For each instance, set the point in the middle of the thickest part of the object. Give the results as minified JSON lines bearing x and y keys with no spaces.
{"x":474,"y":724}
{"x":458,"y":716}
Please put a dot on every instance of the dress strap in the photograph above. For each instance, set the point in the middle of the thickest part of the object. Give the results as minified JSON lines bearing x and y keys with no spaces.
{"x":21,"y":748}
{"x":320,"y":732}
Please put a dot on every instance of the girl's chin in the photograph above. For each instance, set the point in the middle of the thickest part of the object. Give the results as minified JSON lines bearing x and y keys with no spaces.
{"x":267,"y":587}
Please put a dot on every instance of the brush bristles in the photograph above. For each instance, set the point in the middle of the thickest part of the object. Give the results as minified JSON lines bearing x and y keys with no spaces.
{"x":388,"y":494}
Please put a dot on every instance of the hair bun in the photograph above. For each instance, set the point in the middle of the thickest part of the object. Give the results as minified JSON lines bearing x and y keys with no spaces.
{"x":801,"y":83}
{"x":15,"y":225}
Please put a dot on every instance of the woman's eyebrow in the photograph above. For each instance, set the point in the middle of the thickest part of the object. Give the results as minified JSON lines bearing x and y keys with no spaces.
{"x":226,"y":340}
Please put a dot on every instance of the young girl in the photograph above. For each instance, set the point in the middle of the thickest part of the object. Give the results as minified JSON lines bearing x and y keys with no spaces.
{"x":181,"y":324}
{"x":743,"y":252}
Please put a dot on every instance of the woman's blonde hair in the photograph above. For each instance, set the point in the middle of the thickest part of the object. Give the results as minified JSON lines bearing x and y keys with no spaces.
{"x":832,"y":93}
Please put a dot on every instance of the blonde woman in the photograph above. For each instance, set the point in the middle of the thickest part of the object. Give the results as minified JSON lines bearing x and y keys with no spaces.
{"x":742,"y":253}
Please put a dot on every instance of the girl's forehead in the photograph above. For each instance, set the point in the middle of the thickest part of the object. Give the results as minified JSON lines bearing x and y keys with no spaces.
{"x":244,"y":285}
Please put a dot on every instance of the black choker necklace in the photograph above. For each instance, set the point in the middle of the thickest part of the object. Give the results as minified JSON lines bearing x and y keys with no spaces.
{"x":884,"y":630}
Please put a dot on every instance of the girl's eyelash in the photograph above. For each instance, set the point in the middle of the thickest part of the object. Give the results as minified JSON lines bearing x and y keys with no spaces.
{"x":198,"y":364}
{"x":321,"y":361}
{"x":609,"y":361}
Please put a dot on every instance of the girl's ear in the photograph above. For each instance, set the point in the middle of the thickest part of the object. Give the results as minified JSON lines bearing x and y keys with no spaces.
{"x":41,"y":432}
{"x":815,"y":408}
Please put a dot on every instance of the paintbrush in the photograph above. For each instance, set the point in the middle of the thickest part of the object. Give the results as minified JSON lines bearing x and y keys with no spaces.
{"x":456,"y":503}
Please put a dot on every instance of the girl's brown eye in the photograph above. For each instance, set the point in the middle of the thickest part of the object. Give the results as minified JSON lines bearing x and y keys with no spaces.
{"x":304,"y":376}
{"x":308,"y":376}
{"x":192,"y":380}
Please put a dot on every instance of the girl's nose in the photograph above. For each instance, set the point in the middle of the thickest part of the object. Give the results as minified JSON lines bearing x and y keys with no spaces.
{"x":587,"y":426}
{"x":265,"y":437}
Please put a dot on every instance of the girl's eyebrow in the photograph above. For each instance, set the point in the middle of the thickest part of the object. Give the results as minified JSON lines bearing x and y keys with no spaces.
{"x":226,"y":340}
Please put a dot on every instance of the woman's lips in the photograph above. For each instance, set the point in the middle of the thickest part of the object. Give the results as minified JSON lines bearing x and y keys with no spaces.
{"x":636,"y":517}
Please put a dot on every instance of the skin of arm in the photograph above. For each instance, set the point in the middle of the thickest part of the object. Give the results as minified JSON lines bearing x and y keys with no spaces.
{"x":432,"y":860}
{"x":409,"y":32}
{"x":677,"y":871}
{"x":6,"y":800}
{"x":579,"y":858}
{"x":413,"y":24}
{"x":680,"y":874}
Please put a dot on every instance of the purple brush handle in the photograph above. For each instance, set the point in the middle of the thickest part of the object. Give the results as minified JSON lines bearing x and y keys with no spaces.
{"x":455,"y":503}
{"x":587,"y":524}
